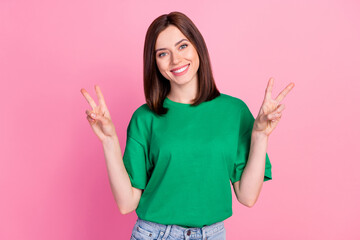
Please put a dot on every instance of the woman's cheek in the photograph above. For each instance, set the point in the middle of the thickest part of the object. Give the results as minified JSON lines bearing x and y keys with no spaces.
{"x":192,"y":54}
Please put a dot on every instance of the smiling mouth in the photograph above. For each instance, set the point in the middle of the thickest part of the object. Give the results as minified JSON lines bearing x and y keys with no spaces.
{"x":181,"y":69}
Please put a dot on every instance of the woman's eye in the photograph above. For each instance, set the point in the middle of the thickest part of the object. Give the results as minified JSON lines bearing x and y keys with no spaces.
{"x":183,"y":45}
{"x":161,"y":54}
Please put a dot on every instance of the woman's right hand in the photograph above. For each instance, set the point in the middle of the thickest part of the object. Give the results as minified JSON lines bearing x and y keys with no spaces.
{"x":100,"y":122}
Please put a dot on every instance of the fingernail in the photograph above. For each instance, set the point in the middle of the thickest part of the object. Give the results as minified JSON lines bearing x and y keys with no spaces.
{"x":93,"y":115}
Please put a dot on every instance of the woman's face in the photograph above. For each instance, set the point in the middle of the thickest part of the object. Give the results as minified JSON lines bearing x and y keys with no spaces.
{"x":176,"y":58}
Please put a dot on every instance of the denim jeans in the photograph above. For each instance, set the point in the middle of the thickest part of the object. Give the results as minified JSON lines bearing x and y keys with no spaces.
{"x":146,"y":230}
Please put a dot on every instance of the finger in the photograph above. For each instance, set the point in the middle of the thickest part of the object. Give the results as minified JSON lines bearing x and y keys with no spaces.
{"x":280,"y":108}
{"x":283,"y":93}
{"x":276,"y":119}
{"x":101,"y":118}
{"x":88,"y":98}
{"x":100,"y":95}
{"x":91,"y":114}
{"x":269,"y":88}
{"x":91,"y":121}
{"x":276,"y":113}
{"x":97,"y":116}
{"x":95,"y":127}
{"x":274,"y":116}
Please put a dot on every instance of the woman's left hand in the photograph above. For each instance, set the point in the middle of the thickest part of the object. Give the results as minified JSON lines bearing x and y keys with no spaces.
{"x":270,"y":111}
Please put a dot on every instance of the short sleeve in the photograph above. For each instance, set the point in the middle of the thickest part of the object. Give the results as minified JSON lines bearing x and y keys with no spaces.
{"x":243,"y":148}
{"x":135,"y":163}
{"x":135,"y":156}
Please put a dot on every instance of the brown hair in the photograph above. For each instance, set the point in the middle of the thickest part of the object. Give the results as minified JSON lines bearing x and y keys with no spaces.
{"x":156,"y":87}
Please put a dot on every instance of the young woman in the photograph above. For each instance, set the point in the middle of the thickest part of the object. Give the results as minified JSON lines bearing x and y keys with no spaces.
{"x":186,"y":142}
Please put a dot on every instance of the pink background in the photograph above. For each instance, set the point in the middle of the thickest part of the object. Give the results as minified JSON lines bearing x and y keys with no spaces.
{"x":53,"y":177}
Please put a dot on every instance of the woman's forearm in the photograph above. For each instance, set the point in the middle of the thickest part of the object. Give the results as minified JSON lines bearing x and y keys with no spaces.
{"x":119,"y":179}
{"x":253,"y":175}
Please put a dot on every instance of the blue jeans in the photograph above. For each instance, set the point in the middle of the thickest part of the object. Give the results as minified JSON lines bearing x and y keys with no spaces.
{"x":146,"y":230}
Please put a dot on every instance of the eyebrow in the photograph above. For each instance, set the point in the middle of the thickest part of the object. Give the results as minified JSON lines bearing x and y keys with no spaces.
{"x":174,"y":45}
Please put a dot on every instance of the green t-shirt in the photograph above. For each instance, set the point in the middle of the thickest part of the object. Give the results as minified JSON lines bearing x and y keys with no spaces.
{"x":184,"y":159}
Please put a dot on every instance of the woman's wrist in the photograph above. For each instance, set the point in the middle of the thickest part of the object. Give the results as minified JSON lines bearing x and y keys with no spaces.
{"x":110,"y":140}
{"x":259,"y":135}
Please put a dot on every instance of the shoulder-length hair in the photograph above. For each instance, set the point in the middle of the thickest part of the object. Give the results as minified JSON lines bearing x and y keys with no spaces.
{"x":156,"y":86}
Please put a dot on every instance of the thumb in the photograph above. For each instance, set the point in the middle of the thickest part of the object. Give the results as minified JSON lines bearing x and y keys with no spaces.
{"x":99,"y":117}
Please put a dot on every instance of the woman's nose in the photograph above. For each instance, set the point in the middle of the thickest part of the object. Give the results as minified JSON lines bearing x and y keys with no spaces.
{"x":176,"y":58}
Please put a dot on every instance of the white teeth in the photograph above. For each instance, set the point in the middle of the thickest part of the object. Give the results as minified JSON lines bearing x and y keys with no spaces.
{"x":181,"y":69}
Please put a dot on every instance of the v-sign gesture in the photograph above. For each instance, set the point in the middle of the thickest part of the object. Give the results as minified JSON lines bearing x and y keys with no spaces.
{"x":99,"y":117}
{"x":270,"y":111}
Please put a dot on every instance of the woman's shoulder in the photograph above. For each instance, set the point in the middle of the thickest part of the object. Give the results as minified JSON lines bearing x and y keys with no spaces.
{"x":232,"y":101}
{"x":143,"y":112}
{"x":139,"y":123}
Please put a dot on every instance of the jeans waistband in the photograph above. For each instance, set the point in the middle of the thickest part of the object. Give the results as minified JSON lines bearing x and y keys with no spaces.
{"x":179,"y":231}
